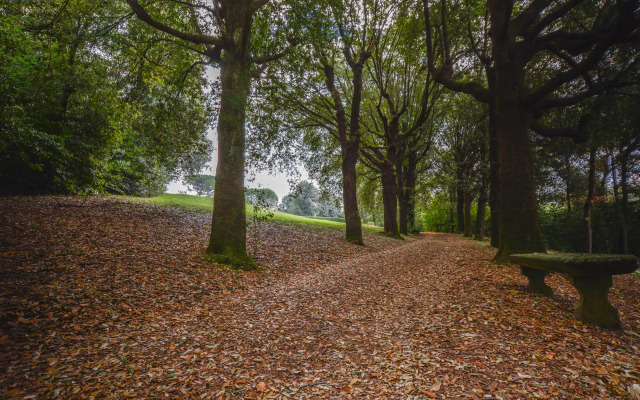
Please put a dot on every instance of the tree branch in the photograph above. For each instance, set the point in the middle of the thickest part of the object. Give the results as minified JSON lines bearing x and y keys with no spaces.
{"x":197,"y":39}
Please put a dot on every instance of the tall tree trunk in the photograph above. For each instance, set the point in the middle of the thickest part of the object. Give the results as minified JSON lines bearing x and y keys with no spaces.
{"x":468,"y":199}
{"x":482,"y":208}
{"x":624,"y":232}
{"x":519,"y":220}
{"x":460,"y":203}
{"x":349,"y":196}
{"x":353,"y":222}
{"x":390,"y":199}
{"x":406,"y":188}
{"x":403,"y":211}
{"x":350,"y":147}
{"x":624,"y":204}
{"x":478,"y":233}
{"x":403,"y":193}
{"x":410,"y":187}
{"x":567,"y":166}
{"x":228,"y":228}
{"x":494,"y":163}
{"x":588,"y":204}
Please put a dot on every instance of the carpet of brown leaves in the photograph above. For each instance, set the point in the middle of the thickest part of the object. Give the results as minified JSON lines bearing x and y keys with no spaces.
{"x":105,"y":299}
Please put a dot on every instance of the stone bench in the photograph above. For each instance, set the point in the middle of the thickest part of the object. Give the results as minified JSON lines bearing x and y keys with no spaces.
{"x":590,"y":274}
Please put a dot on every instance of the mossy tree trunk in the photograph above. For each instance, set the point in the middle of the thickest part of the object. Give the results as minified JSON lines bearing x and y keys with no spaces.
{"x":349,"y":196}
{"x":519,"y":220}
{"x":390,"y":199}
{"x":406,"y":192}
{"x":228,"y":227}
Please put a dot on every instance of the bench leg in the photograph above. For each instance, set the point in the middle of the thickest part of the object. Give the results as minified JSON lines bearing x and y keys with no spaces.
{"x":536,"y":281}
{"x":594,"y":307}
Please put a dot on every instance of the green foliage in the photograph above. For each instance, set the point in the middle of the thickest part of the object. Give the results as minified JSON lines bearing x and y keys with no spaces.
{"x":261,"y":201}
{"x":564,"y":231}
{"x":90,"y":112}
{"x":203,"y":185}
{"x":307,"y":200}
{"x":264,"y":197}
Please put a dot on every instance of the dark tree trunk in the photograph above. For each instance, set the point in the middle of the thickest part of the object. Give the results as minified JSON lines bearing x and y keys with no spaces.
{"x":460,"y":204}
{"x":403,"y":211}
{"x":494,"y":164}
{"x":349,"y":196}
{"x":468,"y":199}
{"x":406,"y":189}
{"x":480,"y":216}
{"x":403,"y":192}
{"x":567,"y":166}
{"x":228,"y":228}
{"x":478,"y":233}
{"x":350,"y":148}
{"x":390,"y":199}
{"x":588,"y":204}
{"x":624,"y":204}
{"x":624,"y":231}
{"x":519,"y":220}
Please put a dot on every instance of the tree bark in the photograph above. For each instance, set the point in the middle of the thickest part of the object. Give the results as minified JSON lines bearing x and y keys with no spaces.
{"x":349,"y":149}
{"x":349,"y":196}
{"x":460,"y":204}
{"x":390,"y":199}
{"x":403,"y":211}
{"x":468,"y":199}
{"x":406,"y":188}
{"x":624,"y":231}
{"x":480,"y":216}
{"x":588,"y":204}
{"x":478,"y":233}
{"x":494,"y":163}
{"x":519,"y":220}
{"x":228,"y":227}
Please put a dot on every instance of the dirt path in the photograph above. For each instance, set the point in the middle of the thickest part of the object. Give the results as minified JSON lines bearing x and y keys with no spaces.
{"x":429,"y":318}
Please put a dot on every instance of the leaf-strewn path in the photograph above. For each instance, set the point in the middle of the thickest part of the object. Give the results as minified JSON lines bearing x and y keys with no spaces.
{"x":103,"y":299}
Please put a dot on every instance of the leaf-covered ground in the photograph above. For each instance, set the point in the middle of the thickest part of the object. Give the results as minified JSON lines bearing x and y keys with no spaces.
{"x":105,"y":299}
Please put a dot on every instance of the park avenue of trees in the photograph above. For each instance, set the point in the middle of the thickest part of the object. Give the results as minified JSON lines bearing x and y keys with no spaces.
{"x":416,"y":115}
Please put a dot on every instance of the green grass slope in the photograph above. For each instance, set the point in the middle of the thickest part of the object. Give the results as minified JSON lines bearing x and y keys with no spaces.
{"x":205,"y":204}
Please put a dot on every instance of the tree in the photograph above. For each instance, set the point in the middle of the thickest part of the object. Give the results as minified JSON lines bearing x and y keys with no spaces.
{"x":87,"y":112}
{"x":399,"y":107}
{"x":221,"y":31}
{"x":545,"y":35}
{"x":202,"y":184}
{"x":303,"y":200}
{"x":264,"y":196}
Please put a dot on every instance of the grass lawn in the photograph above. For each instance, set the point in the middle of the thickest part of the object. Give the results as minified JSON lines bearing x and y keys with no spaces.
{"x":205,"y":204}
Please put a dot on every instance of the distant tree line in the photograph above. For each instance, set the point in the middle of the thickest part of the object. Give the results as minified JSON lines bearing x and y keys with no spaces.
{"x":307,"y":200}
